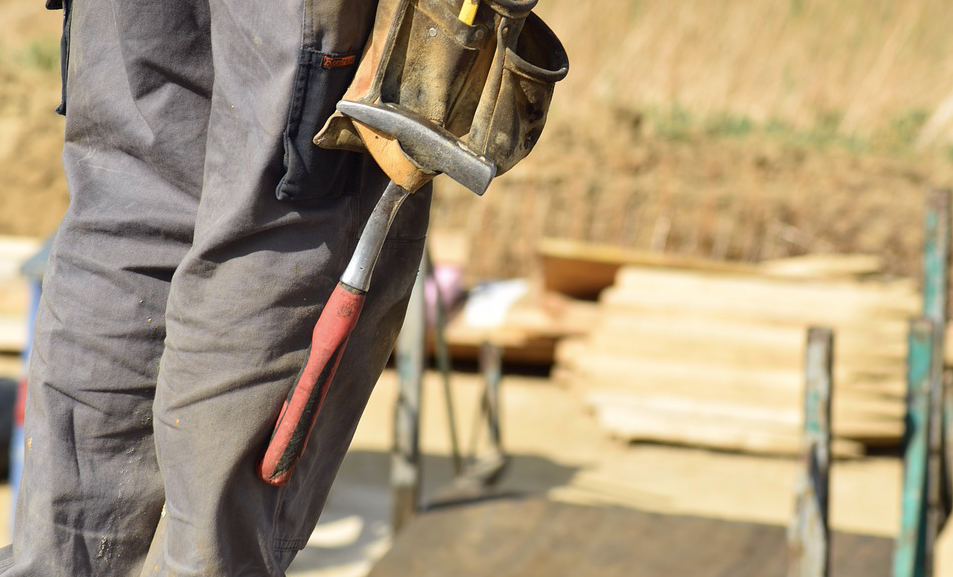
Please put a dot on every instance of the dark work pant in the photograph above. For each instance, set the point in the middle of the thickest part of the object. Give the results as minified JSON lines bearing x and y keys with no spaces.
{"x":204,"y":234}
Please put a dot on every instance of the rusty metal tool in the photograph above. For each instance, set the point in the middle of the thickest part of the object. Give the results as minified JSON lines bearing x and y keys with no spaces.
{"x":411,"y":150}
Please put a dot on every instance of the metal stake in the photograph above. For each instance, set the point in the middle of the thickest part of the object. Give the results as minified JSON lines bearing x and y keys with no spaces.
{"x":910,"y":559}
{"x":406,"y":458}
{"x":809,"y":534}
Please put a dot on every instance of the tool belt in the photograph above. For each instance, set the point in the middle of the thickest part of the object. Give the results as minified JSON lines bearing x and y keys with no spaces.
{"x":489,"y":83}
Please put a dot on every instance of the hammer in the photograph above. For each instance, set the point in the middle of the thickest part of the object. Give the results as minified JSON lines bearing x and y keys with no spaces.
{"x":412,"y":150}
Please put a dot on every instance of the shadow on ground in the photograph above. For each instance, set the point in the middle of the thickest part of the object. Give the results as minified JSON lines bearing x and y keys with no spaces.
{"x":533,"y":537}
{"x":355,"y":528}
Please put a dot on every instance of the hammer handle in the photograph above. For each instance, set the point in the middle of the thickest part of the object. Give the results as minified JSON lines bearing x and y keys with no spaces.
{"x":300,"y":411}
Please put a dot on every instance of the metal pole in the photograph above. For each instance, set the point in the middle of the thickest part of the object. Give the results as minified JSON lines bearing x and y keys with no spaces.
{"x":406,"y":459}
{"x":491,"y":360}
{"x":936,"y":266}
{"x":809,"y":534}
{"x":910,"y":559}
{"x":443,"y":361}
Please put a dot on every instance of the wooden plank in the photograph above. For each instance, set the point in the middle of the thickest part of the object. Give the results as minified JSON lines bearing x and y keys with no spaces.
{"x":823,"y":266}
{"x":880,"y":407}
{"x":583,"y":269}
{"x":592,"y":367}
{"x":529,"y":331}
{"x":14,"y":251}
{"x":726,"y":346}
{"x":15,"y":297}
{"x":872,"y":338}
{"x":740,"y":286}
{"x":782,"y":405}
{"x":720,"y":347}
{"x":13,"y":333}
{"x":598,"y":368}
{"x":765,"y":300}
{"x":751,"y":415}
{"x":708,"y":431}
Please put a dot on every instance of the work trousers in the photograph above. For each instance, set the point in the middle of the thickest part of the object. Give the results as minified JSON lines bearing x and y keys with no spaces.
{"x":204,"y":234}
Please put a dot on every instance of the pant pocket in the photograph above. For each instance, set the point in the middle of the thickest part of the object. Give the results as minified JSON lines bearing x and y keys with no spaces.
{"x":313,"y":173}
{"x":66,"y":6}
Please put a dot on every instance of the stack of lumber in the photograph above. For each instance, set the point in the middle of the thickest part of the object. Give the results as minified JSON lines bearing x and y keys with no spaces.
{"x":713,"y":357}
{"x":518,"y":315}
{"x":527,"y":331}
{"x":14,"y":291}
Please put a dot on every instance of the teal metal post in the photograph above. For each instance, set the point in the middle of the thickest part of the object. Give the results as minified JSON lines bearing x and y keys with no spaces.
{"x":910,"y":559}
{"x":936,"y":271}
{"x":935,"y":289}
{"x":809,"y":534}
{"x":936,"y":257}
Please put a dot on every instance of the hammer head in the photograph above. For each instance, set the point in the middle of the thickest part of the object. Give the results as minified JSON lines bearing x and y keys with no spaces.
{"x":427,"y":144}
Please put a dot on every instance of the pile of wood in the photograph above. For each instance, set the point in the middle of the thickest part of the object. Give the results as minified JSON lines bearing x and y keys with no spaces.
{"x":529,"y":330}
{"x":713,"y":357}
{"x":14,"y":291}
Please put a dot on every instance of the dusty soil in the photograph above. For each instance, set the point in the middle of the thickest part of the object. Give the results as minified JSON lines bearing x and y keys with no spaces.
{"x":33,"y":192}
{"x":560,"y":452}
{"x":616,"y":181}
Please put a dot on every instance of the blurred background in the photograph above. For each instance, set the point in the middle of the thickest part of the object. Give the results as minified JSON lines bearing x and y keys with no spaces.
{"x":715,"y":177}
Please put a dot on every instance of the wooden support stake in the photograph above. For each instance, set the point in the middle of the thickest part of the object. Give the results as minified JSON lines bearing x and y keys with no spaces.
{"x":406,"y":458}
{"x":808,"y":535}
{"x":910,"y":559}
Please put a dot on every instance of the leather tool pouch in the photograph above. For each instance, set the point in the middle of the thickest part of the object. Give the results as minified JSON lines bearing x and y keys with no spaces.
{"x":487,"y":83}
{"x":529,"y":61}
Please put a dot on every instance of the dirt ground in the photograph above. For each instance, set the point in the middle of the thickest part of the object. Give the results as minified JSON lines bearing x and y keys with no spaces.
{"x":559,"y":451}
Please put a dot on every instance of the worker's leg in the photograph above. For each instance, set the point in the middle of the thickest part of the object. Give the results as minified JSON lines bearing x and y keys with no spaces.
{"x":246,"y":297}
{"x":135,"y":131}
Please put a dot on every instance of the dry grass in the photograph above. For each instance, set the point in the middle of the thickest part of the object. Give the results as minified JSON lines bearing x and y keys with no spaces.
{"x":862,"y":65}
{"x":731,"y":129}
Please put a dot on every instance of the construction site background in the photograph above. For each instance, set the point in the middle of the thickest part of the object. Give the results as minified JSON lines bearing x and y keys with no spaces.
{"x":727,"y":130}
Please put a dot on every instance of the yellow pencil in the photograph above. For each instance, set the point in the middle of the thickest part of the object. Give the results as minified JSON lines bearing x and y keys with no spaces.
{"x":468,"y":11}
